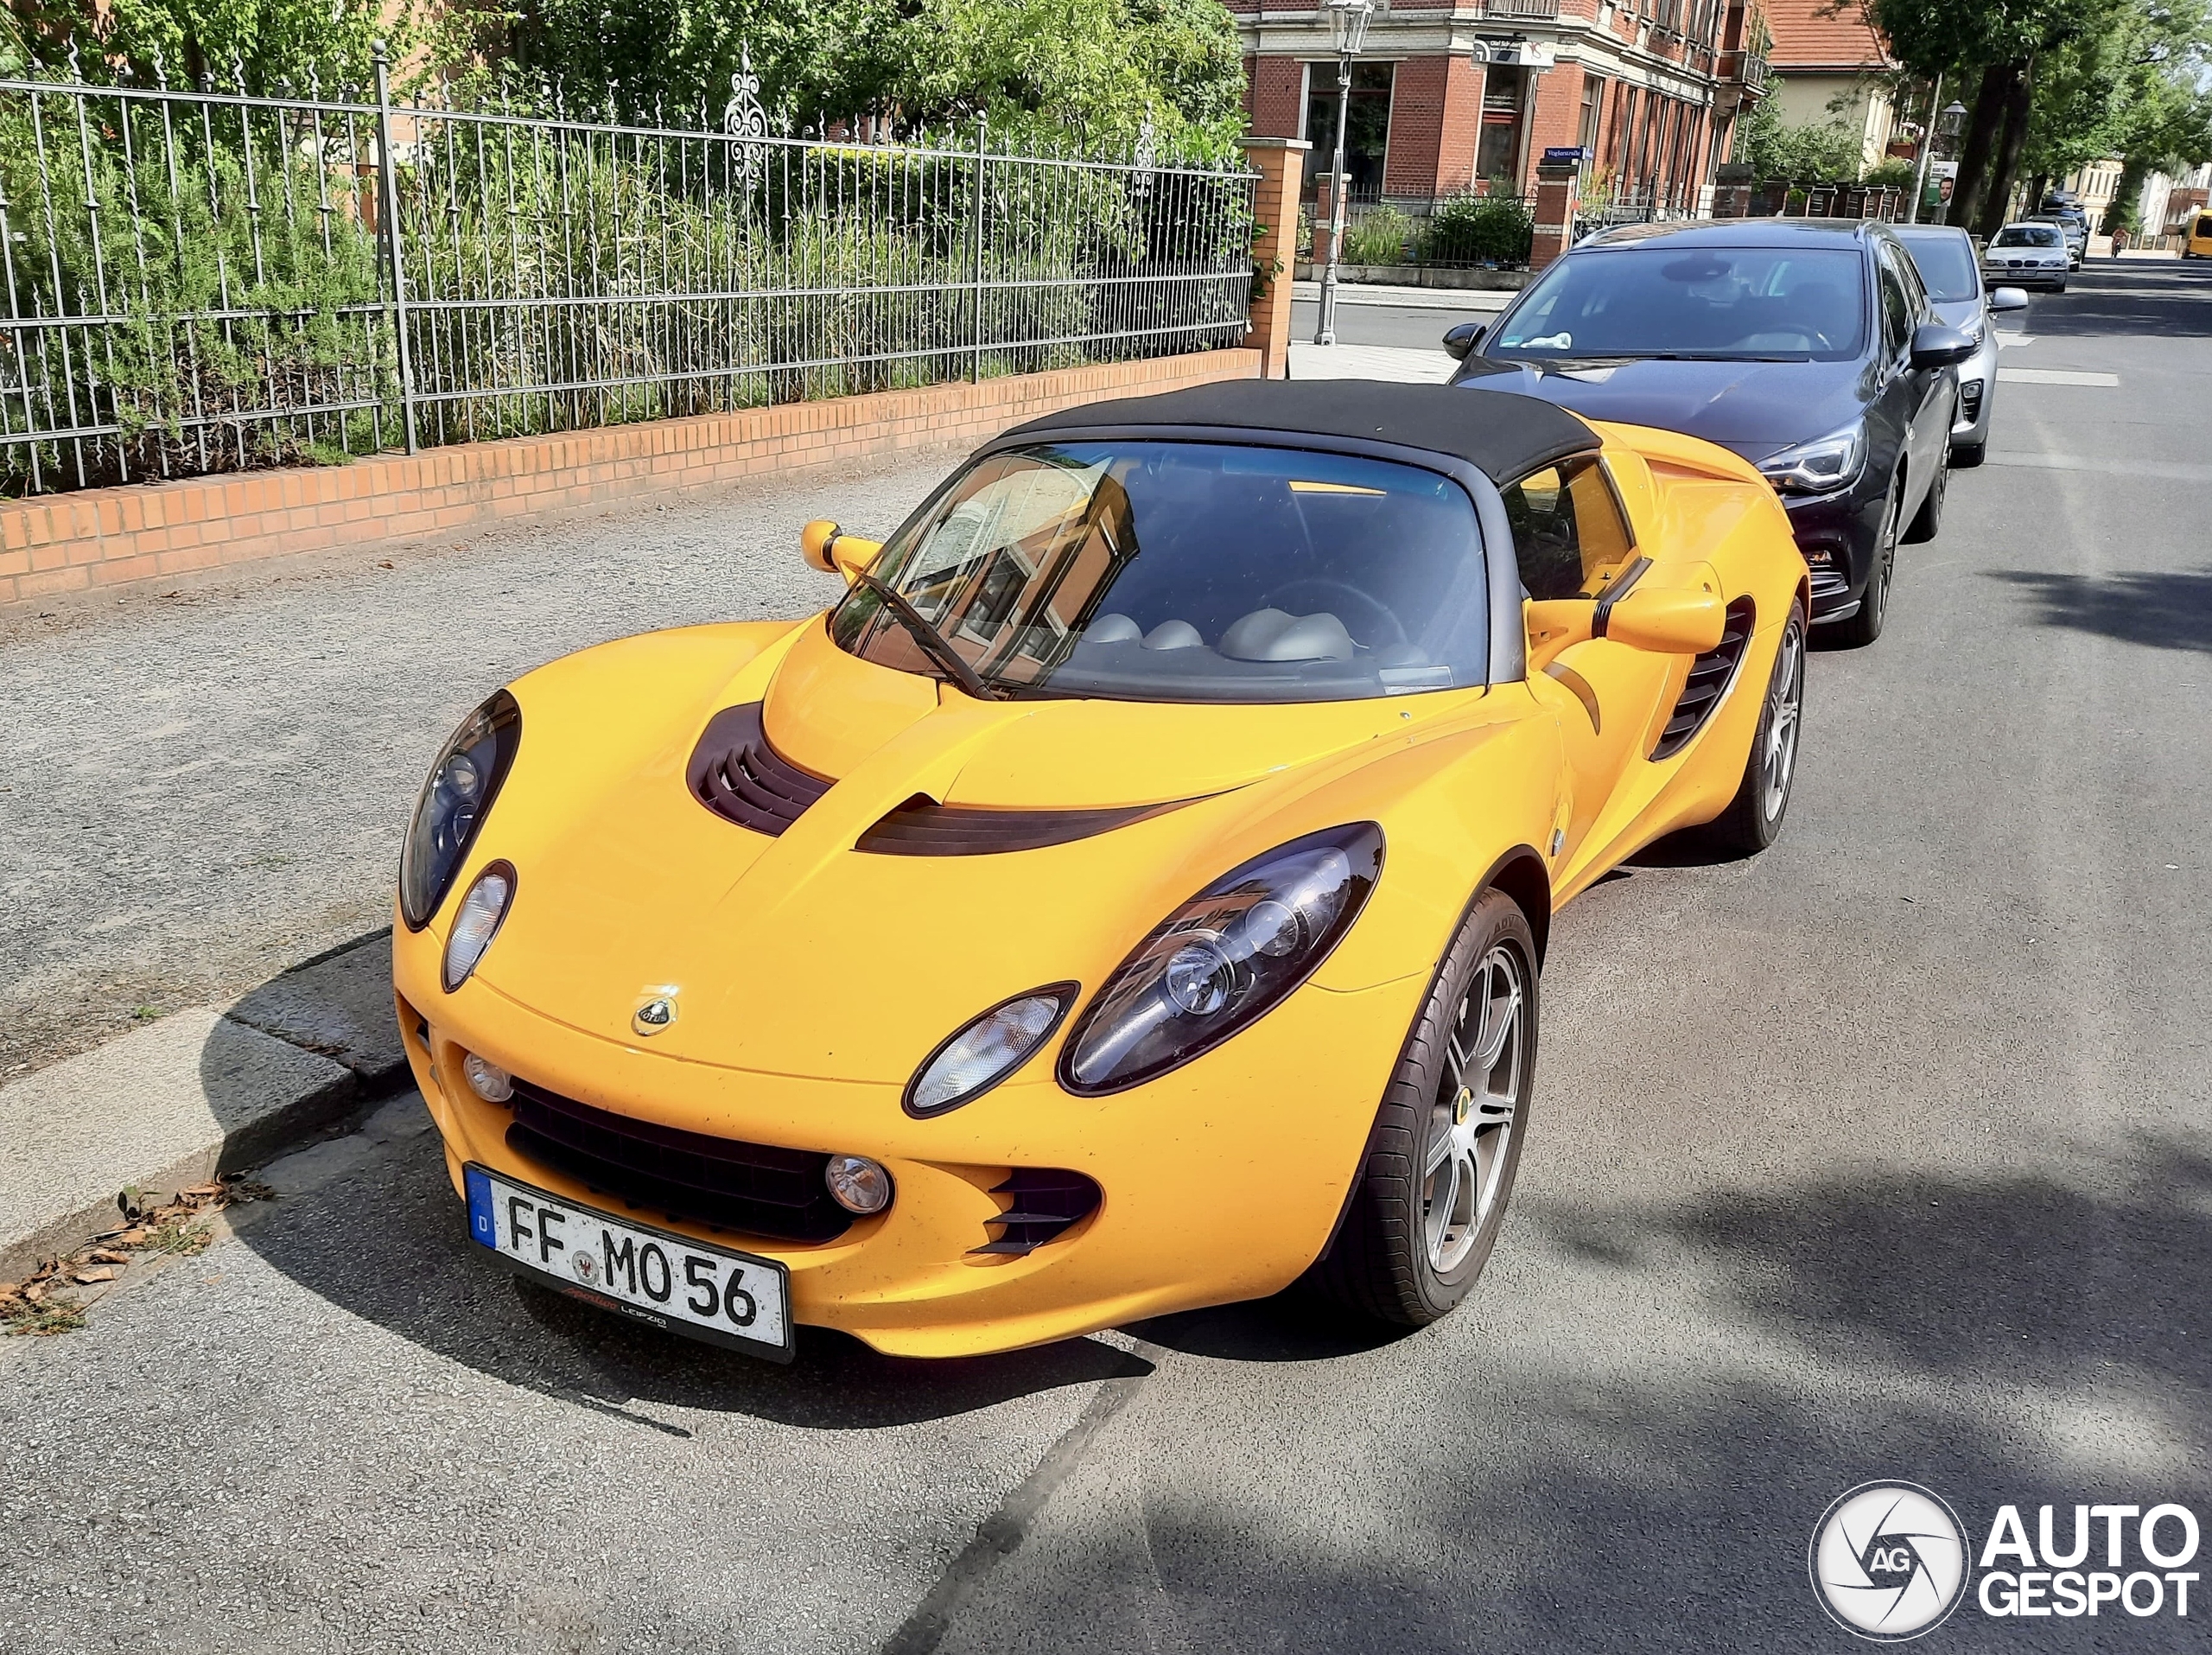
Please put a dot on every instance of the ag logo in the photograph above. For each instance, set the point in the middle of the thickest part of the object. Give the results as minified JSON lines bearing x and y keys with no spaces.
{"x":1889,"y":1561}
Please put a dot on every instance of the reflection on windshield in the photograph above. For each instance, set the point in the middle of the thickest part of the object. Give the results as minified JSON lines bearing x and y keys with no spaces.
{"x":1189,"y":571}
{"x":2025,"y":235}
{"x":1712,"y":302}
{"x":1946,"y":265}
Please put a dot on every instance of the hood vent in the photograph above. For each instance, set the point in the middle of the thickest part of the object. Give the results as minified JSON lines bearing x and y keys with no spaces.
{"x":736,"y":774}
{"x":921,"y":827}
{"x":1710,"y":676}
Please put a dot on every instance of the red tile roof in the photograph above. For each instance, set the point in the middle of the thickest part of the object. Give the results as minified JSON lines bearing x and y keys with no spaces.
{"x":1820,"y":34}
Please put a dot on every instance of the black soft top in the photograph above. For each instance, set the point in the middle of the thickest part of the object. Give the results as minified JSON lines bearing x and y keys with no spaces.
{"x":1504,"y":435}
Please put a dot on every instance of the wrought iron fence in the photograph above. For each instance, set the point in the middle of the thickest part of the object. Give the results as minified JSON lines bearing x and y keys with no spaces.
{"x":203,"y":281}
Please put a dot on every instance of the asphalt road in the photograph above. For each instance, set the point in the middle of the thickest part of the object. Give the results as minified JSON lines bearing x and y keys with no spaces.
{"x":1883,"y":1155}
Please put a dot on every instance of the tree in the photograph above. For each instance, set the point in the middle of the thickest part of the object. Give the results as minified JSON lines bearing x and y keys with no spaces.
{"x":270,"y":39}
{"x":1093,"y":71}
{"x":1809,"y":153}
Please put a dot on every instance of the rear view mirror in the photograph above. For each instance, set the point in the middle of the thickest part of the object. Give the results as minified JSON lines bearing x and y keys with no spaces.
{"x":1935,"y":346}
{"x":1463,"y":337}
{"x":1668,"y":622}
{"x":2007,"y":298}
{"x":830,"y":549}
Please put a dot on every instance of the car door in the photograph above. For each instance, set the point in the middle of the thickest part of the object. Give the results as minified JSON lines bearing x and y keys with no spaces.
{"x":1924,"y":395}
{"x":1575,"y":545}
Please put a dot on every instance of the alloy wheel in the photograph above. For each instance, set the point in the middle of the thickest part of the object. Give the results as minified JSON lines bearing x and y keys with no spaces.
{"x":1472,"y":1118}
{"x":1784,"y":702}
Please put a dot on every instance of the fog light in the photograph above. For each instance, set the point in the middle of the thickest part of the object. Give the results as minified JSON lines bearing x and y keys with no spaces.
{"x":487,"y":1080}
{"x":858,"y":1184}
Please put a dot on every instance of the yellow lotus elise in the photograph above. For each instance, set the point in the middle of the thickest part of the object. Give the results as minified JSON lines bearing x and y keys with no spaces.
{"x":1129,"y":898}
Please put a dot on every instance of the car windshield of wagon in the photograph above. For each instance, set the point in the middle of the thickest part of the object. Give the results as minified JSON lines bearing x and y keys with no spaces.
{"x":2027,"y":235}
{"x":1945,"y":259}
{"x":1720,"y":302}
{"x":1187,"y":571}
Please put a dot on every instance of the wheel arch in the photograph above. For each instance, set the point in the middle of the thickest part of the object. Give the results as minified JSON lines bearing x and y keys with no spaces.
{"x":1521,"y":873}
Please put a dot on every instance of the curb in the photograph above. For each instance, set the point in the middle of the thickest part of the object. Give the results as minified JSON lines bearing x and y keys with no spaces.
{"x":204,"y":1090}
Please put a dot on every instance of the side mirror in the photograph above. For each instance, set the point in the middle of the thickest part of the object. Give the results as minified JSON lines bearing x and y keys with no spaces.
{"x":2007,"y":298}
{"x":1935,"y":346}
{"x":830,"y":549}
{"x":1668,"y":622}
{"x":1463,"y":337}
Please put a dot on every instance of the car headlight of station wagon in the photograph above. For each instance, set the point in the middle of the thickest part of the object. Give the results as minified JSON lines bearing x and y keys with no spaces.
{"x":1821,"y":467}
{"x":1224,"y":958}
{"x":461,"y":786}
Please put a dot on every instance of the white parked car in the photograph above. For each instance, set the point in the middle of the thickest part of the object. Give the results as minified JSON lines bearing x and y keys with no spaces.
{"x":2030,"y":254}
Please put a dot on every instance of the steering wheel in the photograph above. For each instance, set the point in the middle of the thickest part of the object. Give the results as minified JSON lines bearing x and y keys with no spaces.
{"x":1374,"y":609}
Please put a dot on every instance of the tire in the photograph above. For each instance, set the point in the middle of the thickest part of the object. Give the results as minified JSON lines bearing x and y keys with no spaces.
{"x":1863,"y":627}
{"x":1964,"y":456}
{"x":1753,"y":818}
{"x":1928,"y":521}
{"x":1413,"y":1241}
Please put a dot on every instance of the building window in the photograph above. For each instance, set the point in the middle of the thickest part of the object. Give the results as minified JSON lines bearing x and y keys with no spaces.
{"x":1497,"y":153}
{"x":1367,"y":133}
{"x":1594,"y":99}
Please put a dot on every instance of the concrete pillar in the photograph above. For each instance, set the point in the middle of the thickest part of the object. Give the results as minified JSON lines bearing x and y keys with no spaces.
{"x":1281,"y":164}
{"x":1555,"y":209}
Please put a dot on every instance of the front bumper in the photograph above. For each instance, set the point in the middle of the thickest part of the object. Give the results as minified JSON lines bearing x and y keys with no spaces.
{"x":1220,"y":1180}
{"x":1838,"y":534}
{"x":1977,"y":394}
{"x":2021,"y":274}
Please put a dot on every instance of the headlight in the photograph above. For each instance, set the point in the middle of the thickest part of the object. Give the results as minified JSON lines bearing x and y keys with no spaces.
{"x":1222,"y":959}
{"x":462,"y":785}
{"x":477,"y":922}
{"x":988,"y":1050}
{"x":1820,"y":466}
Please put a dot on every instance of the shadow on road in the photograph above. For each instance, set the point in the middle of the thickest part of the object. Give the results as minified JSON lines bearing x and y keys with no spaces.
{"x":2160,"y":609}
{"x":386,"y":1244}
{"x":2018,"y":1339}
{"x":2168,"y":301}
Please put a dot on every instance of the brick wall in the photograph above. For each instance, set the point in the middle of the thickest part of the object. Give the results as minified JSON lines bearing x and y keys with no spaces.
{"x":1416,"y":126}
{"x":1278,"y":87}
{"x":99,"y":538}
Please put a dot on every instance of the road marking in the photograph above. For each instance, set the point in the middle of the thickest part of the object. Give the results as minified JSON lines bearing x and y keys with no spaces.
{"x":2003,"y":340}
{"x":2055,"y":377}
{"x":2174,"y":470}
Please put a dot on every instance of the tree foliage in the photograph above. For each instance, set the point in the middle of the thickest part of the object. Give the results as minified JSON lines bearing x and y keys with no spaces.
{"x":1093,"y":71}
{"x":1814,"y":153}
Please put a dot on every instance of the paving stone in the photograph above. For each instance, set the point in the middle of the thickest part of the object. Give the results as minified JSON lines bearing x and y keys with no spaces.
{"x":162,"y":1108}
{"x":339,"y":1005}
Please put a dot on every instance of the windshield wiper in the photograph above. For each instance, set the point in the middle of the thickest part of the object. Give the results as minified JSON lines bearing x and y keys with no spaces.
{"x":934,"y":643}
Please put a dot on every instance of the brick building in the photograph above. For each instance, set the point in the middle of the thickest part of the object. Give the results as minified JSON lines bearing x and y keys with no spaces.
{"x":1648,"y":88}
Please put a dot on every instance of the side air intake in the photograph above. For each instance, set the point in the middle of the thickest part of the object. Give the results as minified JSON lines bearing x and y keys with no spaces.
{"x":736,"y":774}
{"x":1710,"y":676}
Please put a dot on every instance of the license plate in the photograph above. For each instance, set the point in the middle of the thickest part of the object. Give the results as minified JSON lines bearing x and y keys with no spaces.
{"x":655,"y":1275}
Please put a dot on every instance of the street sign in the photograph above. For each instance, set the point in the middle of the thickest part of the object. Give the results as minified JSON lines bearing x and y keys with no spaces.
{"x":1565,"y":155}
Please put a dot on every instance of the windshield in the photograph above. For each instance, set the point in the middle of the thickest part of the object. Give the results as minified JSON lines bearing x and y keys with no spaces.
{"x":1188,"y":571}
{"x":1714,"y":301}
{"x":1946,"y":265}
{"x":2027,"y":235}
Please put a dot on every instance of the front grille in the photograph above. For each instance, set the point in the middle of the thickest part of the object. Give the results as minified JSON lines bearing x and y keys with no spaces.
{"x":1047,"y":1202}
{"x":1710,"y":676}
{"x":921,"y":827}
{"x":725,"y":1184}
{"x":736,"y":774}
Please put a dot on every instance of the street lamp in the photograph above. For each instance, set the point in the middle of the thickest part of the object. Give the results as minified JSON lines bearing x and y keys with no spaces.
{"x":1348,"y":34}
